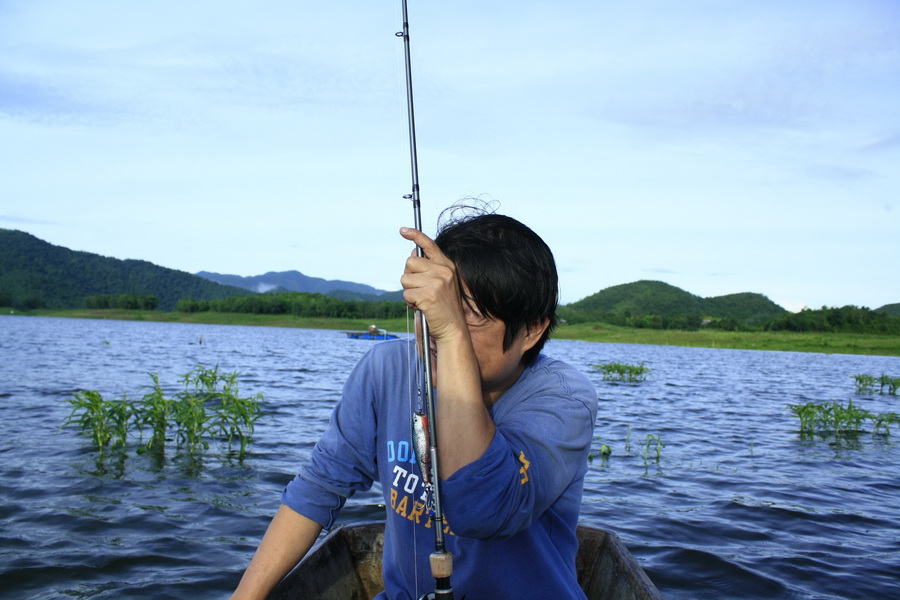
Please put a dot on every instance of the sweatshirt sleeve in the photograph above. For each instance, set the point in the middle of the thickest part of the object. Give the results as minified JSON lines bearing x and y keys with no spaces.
{"x":544,"y":432}
{"x":343,"y":460}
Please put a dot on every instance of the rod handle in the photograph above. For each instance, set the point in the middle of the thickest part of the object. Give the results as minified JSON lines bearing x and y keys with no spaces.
{"x":441,"y":564}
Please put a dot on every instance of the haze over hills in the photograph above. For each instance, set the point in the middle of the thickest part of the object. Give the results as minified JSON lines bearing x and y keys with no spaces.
{"x":35,"y":273}
{"x":291,"y":281}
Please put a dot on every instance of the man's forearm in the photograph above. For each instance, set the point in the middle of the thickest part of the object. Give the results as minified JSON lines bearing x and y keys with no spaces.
{"x":464,"y":427}
{"x":289,"y":537}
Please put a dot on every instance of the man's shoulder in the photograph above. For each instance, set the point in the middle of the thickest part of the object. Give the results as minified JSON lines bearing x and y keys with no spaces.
{"x":551,"y":377}
{"x":392,"y":349}
{"x":547,"y":367}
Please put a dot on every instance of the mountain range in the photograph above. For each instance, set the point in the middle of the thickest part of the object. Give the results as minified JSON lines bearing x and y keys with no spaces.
{"x":295,"y":281}
{"x":35,"y":273}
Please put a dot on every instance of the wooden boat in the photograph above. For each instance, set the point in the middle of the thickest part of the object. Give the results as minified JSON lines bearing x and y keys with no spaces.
{"x":346,"y":565}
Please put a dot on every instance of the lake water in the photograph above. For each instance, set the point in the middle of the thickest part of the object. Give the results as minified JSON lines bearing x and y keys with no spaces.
{"x":736,"y":506}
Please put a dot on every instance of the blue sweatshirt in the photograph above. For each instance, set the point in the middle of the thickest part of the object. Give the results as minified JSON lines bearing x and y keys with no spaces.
{"x":510,"y":515}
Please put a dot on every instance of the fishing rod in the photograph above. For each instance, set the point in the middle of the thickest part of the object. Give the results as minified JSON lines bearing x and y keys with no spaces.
{"x":441,"y":560}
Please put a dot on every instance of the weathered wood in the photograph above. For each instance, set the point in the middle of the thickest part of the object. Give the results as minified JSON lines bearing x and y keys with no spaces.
{"x":346,"y":565}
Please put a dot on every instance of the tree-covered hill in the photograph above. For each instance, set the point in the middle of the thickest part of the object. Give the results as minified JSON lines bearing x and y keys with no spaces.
{"x":640,"y":298}
{"x":890,"y":309}
{"x":658,"y":304}
{"x":746,"y":307}
{"x":35,"y":274}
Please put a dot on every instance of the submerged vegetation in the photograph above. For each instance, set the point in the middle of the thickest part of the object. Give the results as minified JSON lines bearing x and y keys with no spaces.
{"x":616,"y":371}
{"x":865,"y":384}
{"x":829,"y":416}
{"x":208,"y":407}
{"x":834,"y":417}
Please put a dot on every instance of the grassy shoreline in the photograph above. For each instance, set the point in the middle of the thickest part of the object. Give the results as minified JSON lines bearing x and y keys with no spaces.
{"x":827,"y":343}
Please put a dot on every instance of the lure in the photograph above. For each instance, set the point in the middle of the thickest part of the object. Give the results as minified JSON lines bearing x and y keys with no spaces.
{"x":422,"y":445}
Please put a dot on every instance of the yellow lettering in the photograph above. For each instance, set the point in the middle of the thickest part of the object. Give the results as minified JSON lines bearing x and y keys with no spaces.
{"x":524,"y":469}
{"x":401,"y":507}
{"x":417,"y":511}
{"x":393,"y":498}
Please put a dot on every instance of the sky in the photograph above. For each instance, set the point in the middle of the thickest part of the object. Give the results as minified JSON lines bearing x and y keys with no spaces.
{"x":718,"y":146}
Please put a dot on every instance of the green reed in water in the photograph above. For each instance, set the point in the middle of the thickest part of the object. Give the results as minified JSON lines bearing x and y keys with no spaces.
{"x":834,"y":417}
{"x":616,"y":371}
{"x":884,"y":421}
{"x":891,"y":383}
{"x":208,"y":406}
{"x":865,"y":383}
{"x":659,"y":446}
{"x":99,"y":418}
{"x":236,"y":416}
{"x":154,"y":411}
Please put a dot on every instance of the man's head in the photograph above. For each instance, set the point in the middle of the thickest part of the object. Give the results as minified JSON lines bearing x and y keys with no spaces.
{"x":509,"y":272}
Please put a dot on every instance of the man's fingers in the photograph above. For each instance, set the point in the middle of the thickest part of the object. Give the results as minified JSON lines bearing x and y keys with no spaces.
{"x":423,"y":241}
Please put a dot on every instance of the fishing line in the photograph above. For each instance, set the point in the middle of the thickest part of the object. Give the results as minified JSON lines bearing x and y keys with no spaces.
{"x":414,"y":368}
{"x":441,"y":560}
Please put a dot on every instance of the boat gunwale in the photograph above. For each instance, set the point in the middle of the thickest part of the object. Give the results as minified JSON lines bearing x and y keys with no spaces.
{"x":346,"y":565}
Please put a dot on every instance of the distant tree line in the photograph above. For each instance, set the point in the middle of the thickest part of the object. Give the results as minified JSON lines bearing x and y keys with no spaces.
{"x":847,"y":319}
{"x":300,"y":304}
{"x":122,"y":301}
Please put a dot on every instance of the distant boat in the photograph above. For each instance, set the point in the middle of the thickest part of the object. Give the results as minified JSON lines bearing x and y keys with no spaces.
{"x":346,"y":565}
{"x":374,"y":333}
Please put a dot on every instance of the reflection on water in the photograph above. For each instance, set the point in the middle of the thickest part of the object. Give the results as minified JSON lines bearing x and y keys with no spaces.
{"x":737,"y":504}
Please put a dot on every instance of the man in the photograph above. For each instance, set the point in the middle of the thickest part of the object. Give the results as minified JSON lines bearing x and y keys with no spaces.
{"x":513,"y":430}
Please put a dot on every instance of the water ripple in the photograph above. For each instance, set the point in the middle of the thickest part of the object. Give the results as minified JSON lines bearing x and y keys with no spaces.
{"x":735,"y":503}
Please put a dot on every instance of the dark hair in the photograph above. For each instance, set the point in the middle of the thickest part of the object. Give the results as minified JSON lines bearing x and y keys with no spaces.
{"x":509,"y":270}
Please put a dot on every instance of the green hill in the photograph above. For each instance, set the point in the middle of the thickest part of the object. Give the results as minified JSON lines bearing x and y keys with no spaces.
{"x":658,"y":304}
{"x":640,"y":298}
{"x":890,"y":309}
{"x":749,"y":308}
{"x":34,"y":273}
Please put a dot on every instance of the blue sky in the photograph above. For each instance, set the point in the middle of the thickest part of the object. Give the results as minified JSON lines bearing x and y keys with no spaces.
{"x":721,"y":147}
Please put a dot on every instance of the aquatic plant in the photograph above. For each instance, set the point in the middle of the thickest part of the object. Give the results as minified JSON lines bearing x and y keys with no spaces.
{"x":154,"y":410}
{"x":209,"y":406}
{"x":843,"y":419}
{"x":834,"y":417}
{"x":891,"y":383}
{"x":865,"y":383}
{"x":659,"y":446}
{"x":120,"y":414}
{"x":884,"y":421}
{"x":808,"y":414}
{"x":190,"y":410}
{"x":616,"y":371}
{"x":93,"y":416}
{"x":236,"y":417}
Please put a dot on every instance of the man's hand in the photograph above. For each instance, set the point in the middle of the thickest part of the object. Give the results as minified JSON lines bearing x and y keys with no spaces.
{"x":430,"y":284}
